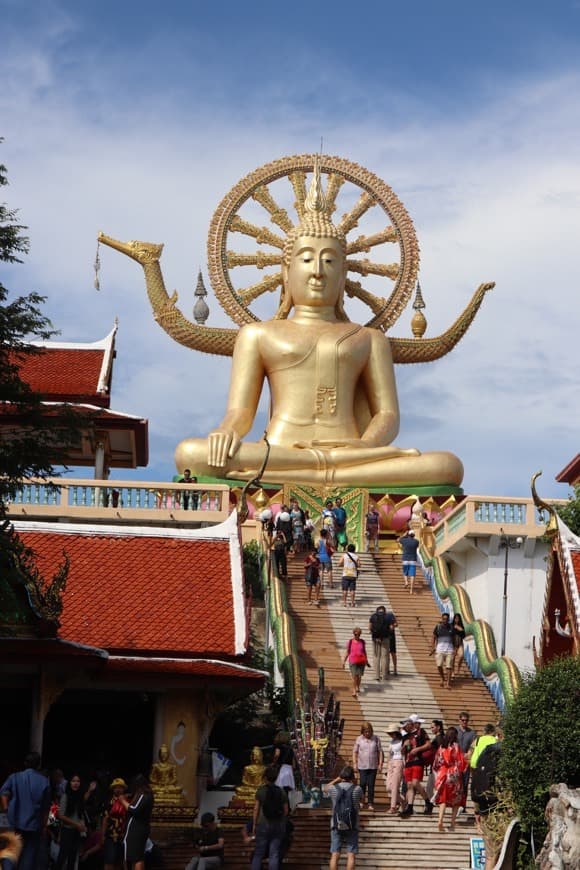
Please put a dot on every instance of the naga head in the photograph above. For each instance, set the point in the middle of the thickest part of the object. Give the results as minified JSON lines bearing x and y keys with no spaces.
{"x":142,"y":252}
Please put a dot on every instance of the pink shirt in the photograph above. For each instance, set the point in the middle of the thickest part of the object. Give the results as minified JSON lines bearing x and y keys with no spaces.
{"x":367,"y":752}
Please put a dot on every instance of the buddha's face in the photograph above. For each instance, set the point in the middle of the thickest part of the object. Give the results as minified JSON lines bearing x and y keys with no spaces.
{"x":163,"y":753}
{"x":316,"y":273}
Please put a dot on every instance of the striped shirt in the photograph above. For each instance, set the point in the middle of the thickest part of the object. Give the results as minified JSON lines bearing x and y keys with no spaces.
{"x":367,"y":752}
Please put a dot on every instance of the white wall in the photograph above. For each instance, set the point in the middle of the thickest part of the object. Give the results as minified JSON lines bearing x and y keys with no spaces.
{"x":482,"y":577}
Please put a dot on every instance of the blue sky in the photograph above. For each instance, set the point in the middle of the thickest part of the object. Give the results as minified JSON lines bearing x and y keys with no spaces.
{"x":137,"y":118}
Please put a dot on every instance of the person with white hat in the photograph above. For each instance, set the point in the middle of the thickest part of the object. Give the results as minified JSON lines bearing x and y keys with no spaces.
{"x":395,"y":767}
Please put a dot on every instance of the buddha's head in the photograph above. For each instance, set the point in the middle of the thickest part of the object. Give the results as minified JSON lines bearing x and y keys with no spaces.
{"x":163,"y":752}
{"x":257,"y":757}
{"x":314,"y":258}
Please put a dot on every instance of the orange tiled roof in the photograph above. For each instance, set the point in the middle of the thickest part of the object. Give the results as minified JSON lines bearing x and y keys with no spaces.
{"x":127,"y":592}
{"x":188,"y":667}
{"x":65,"y":374}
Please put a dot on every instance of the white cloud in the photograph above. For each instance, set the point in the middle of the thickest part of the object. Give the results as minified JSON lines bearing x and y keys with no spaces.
{"x":494,"y":193}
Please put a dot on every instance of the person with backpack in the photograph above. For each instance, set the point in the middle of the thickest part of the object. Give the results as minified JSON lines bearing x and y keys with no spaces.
{"x":346,"y":799}
{"x":356,"y":655}
{"x":483,"y":777}
{"x":382,"y":625}
{"x":284,"y":524}
{"x":350,"y":564}
{"x":269,"y":821}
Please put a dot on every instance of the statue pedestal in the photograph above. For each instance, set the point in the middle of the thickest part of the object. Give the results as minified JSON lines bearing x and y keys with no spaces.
{"x":237,"y":810}
{"x":173,"y":816}
{"x":395,"y":506}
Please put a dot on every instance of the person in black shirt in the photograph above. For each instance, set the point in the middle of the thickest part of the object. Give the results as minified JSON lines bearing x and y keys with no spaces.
{"x":187,"y":478}
{"x":210,"y":844}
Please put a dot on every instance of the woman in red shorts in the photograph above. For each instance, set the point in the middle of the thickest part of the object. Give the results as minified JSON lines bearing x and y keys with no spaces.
{"x":414,"y":744}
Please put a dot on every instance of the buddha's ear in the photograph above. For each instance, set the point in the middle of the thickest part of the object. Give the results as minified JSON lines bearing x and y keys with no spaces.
{"x":284,"y":272}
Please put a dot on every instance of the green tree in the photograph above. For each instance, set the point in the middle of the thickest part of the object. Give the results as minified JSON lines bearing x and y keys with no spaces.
{"x":570,"y":512}
{"x":542,"y":740}
{"x":32,"y":442}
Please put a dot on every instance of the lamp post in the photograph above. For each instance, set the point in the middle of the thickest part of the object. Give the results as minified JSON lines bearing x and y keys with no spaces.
{"x":508,"y":544}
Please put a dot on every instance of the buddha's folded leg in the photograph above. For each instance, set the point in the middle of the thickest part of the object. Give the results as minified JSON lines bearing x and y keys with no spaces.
{"x":365,"y":466}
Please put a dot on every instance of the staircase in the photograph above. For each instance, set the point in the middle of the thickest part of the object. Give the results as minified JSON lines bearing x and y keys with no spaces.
{"x":386,"y":842}
{"x":322,"y":633}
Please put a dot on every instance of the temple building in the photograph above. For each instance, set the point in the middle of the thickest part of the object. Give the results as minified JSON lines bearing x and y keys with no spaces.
{"x":141,"y":638}
{"x":560,"y":632}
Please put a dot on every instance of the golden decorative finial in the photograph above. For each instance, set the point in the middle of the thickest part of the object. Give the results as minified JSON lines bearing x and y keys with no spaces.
{"x":315,"y":199}
{"x":419,"y":321}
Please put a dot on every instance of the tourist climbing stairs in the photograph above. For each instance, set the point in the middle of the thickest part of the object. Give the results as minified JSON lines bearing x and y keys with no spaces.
{"x":386,"y":841}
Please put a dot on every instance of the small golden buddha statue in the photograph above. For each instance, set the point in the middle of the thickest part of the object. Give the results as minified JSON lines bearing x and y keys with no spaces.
{"x":163,"y":779}
{"x":252,"y":777}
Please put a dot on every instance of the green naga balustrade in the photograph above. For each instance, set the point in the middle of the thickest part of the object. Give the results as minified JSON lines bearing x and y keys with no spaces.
{"x":500,"y":674}
{"x":290,"y":663}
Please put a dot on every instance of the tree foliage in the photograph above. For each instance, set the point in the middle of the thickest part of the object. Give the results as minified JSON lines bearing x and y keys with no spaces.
{"x":32,"y":442}
{"x":252,"y":570}
{"x":542,"y":740}
{"x":570,"y":512}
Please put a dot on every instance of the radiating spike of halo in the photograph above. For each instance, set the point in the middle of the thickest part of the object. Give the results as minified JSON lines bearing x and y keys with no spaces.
{"x":365,"y":243}
{"x":298,"y":182}
{"x":279,"y":216}
{"x":262,"y":235}
{"x":259,"y":259}
{"x":335,"y":182}
{"x":350,"y":219}
{"x":366,"y":267}
{"x":355,"y":288}
{"x":248,"y":294}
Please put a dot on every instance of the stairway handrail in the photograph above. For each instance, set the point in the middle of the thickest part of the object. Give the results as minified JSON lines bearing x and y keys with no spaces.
{"x":290,"y":663}
{"x":500,"y":673}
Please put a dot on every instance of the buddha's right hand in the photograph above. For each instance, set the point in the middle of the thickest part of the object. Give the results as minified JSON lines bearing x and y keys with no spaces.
{"x":222,"y":445}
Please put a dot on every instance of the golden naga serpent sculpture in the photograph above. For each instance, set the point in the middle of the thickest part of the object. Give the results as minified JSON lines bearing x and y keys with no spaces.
{"x":228,"y":222}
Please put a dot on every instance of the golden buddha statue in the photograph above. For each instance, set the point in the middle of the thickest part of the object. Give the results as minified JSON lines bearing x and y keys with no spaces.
{"x":163,"y":780}
{"x":252,"y":777}
{"x":334,"y":410}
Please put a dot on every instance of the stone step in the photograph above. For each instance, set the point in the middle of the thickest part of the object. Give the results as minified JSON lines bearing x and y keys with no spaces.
{"x":386,"y":841}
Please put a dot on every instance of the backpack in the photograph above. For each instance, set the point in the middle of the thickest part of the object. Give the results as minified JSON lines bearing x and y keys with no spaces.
{"x":379,"y":625}
{"x":273,"y":806}
{"x":344,"y":816}
{"x":483,"y":777}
